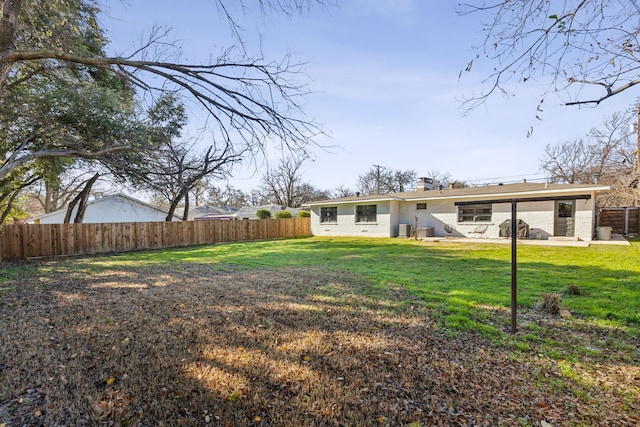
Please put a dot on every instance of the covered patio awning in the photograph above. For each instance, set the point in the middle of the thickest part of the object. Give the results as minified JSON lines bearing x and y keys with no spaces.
{"x":514,"y":239}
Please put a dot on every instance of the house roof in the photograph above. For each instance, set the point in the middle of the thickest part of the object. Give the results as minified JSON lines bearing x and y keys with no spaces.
{"x":250,"y":211}
{"x":104,"y":199}
{"x":488,"y":192}
{"x":207,"y":211}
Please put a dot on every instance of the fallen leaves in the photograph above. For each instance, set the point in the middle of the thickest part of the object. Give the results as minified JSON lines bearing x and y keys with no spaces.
{"x":292,"y":347}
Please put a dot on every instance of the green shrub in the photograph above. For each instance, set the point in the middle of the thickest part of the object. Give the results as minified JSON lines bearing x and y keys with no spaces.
{"x":263,"y":214}
{"x":303,"y":214}
{"x":282,"y":214}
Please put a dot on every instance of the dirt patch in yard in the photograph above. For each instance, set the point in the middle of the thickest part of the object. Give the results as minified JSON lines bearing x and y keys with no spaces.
{"x":196,"y":345}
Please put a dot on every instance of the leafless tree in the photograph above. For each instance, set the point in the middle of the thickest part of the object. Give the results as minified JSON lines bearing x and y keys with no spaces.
{"x":258,"y":197}
{"x":569,"y":162}
{"x":308,"y":193}
{"x":606,"y":155}
{"x":342,"y":191}
{"x":403,"y":180}
{"x":578,"y":44}
{"x":282,"y":183}
{"x":226,"y":196}
{"x":439,"y":178}
{"x":200,"y":190}
{"x":178,"y":168}
{"x":382,"y":180}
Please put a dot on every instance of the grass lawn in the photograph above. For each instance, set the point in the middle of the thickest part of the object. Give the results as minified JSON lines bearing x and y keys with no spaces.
{"x":322,"y":331}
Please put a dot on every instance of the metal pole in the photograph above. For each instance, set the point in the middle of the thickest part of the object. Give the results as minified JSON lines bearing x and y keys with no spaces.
{"x":514,"y":266}
{"x":637,"y":174}
{"x":638,"y":131}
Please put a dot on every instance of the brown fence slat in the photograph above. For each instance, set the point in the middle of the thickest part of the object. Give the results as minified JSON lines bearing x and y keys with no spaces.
{"x":22,"y":241}
{"x":621,"y":220}
{"x":634,"y":221}
{"x":66,"y":239}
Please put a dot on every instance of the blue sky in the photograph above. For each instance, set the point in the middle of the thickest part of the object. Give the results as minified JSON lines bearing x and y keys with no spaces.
{"x":384,"y":82}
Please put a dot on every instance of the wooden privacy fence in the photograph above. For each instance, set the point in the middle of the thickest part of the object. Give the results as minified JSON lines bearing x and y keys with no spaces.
{"x":622,"y":220}
{"x":48,"y":240}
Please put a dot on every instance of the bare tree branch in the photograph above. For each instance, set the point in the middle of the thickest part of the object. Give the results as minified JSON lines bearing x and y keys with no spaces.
{"x":249,"y":107}
{"x":7,"y":167}
{"x":570,"y":44}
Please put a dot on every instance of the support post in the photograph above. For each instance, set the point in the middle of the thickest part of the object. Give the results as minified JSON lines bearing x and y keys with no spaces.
{"x":514,"y":266}
{"x":638,"y":132}
{"x":636,"y":201}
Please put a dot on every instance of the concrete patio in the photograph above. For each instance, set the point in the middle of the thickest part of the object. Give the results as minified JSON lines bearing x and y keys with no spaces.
{"x":616,"y":239}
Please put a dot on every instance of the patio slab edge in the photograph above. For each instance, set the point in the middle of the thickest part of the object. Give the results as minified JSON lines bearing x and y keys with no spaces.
{"x":615,"y":240}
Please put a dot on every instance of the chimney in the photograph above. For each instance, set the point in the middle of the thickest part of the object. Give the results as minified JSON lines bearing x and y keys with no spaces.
{"x":425,"y":184}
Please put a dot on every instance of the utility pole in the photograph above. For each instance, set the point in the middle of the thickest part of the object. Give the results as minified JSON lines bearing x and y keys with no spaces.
{"x":378,"y":167}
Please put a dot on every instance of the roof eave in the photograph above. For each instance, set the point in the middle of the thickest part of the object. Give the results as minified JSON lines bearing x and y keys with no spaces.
{"x":519,"y":194}
{"x":360,"y":200}
{"x":487,"y":196}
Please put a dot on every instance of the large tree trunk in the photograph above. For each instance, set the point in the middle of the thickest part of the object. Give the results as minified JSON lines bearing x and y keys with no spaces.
{"x":173,"y":206}
{"x":8,"y":206}
{"x":48,"y":197}
{"x":12,"y":196}
{"x":81,"y":201}
{"x":185,"y":214}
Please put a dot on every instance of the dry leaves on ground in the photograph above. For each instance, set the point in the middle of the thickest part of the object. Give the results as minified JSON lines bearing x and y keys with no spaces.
{"x":190,"y":345}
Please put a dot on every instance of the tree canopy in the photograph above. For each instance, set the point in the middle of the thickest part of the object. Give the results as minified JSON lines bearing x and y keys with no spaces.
{"x":61,"y":96}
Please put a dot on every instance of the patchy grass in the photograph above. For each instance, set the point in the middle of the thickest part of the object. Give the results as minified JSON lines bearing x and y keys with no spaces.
{"x":444,"y":274}
{"x":320,"y":332}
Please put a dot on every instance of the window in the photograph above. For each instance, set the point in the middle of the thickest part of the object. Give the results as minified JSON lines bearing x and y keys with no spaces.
{"x":366,"y":213}
{"x":565,"y":209}
{"x":474,"y":213}
{"x":421,"y":206}
{"x":329,"y":215}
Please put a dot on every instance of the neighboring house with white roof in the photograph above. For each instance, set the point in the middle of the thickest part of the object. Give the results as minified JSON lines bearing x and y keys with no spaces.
{"x":550,"y":210}
{"x":114,"y":208}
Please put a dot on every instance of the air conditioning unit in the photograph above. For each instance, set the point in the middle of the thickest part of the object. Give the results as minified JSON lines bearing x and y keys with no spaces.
{"x":424,"y":232}
{"x":404,"y":230}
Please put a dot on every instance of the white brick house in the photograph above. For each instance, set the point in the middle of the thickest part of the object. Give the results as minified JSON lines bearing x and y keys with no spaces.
{"x":566,"y":210}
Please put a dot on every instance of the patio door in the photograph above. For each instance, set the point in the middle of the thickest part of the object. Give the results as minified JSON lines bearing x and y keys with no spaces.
{"x":565,"y":213}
